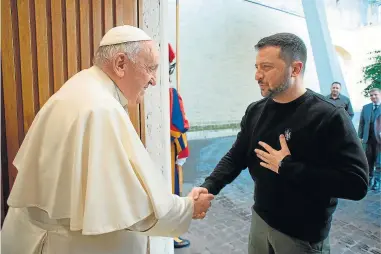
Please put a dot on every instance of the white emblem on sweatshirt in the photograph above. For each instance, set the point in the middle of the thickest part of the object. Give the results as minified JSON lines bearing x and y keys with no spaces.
{"x":287,"y":134}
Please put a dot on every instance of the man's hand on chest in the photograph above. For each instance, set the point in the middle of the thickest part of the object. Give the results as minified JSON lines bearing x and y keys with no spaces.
{"x":270,"y":157}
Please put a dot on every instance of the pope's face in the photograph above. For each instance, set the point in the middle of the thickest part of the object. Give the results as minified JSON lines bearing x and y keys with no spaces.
{"x":141,"y":74}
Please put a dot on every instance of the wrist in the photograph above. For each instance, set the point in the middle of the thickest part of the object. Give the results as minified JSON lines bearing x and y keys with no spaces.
{"x":192,"y":202}
{"x":282,"y":163}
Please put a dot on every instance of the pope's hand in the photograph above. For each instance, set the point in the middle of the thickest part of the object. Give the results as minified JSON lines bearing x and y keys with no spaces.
{"x":201,"y":205}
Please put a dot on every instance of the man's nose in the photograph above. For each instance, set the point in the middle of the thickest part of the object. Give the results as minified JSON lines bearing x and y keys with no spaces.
{"x":258,"y":76}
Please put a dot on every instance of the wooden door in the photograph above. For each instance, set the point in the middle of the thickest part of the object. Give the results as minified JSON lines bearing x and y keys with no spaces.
{"x":44,"y":43}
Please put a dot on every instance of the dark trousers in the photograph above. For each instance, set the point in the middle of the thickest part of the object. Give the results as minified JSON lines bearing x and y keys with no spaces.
{"x":373,"y":155}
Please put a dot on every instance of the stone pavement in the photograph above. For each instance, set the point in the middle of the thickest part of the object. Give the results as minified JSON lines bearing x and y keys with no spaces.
{"x":356,"y":225}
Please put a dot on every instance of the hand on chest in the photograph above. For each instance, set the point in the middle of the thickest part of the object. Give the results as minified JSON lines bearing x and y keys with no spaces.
{"x":281,"y":131}
{"x":274,"y":145}
{"x":293,"y":136}
{"x":296,"y":137}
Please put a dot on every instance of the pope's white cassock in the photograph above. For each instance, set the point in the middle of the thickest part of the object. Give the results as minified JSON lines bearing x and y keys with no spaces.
{"x":86,"y":184}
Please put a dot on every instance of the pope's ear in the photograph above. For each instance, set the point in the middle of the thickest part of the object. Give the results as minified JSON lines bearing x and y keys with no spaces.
{"x":119,"y":64}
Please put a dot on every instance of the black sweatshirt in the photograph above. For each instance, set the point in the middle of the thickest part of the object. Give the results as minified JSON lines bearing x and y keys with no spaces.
{"x":327,"y":162}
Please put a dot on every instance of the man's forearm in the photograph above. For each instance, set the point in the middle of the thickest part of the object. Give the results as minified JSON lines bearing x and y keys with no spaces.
{"x":231,"y":165}
{"x":225,"y":172}
{"x":348,"y":182}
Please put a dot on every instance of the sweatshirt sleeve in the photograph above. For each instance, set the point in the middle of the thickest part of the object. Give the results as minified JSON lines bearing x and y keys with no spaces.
{"x":345,"y":172}
{"x":231,"y":165}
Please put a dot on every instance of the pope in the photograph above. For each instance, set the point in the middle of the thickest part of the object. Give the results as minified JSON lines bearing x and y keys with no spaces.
{"x":85,"y":182}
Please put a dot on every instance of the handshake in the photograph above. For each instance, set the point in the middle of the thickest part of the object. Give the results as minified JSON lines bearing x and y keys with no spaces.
{"x":201,"y":200}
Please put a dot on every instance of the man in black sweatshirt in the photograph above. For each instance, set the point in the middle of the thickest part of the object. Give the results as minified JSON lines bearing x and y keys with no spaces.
{"x":301,"y":150}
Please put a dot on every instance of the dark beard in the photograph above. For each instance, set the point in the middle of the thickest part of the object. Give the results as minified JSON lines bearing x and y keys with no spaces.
{"x":283,"y":87}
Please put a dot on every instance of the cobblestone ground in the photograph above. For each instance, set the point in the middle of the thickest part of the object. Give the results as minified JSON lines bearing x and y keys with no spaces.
{"x":356,"y":225}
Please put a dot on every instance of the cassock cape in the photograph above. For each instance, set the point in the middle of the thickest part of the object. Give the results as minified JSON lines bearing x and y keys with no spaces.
{"x":85,"y":182}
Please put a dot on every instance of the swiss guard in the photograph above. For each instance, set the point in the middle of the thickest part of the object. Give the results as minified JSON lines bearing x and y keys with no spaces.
{"x":179,"y":144}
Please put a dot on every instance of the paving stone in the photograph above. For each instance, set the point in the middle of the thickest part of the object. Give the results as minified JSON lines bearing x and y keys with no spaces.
{"x":375,"y":251}
{"x":356,"y":226}
{"x":361,"y":248}
{"x":349,"y":252}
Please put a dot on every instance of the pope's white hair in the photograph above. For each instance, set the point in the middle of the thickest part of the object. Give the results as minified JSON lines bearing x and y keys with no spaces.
{"x":106,"y":53}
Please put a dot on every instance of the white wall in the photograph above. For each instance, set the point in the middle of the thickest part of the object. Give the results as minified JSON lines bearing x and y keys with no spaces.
{"x":357,"y":43}
{"x":217,"y":56}
{"x":352,"y":14}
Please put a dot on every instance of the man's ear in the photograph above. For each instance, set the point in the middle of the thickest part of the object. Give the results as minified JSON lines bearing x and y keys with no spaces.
{"x":297,"y":68}
{"x":119,"y":64}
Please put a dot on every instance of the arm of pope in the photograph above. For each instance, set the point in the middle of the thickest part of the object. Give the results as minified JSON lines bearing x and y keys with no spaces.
{"x":177,"y":220}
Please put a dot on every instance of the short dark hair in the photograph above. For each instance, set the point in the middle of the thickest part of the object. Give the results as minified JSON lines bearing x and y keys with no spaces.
{"x":292,"y":48}
{"x":336,"y":82}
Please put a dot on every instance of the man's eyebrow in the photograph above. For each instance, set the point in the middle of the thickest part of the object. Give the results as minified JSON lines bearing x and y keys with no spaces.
{"x":264,"y":63}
